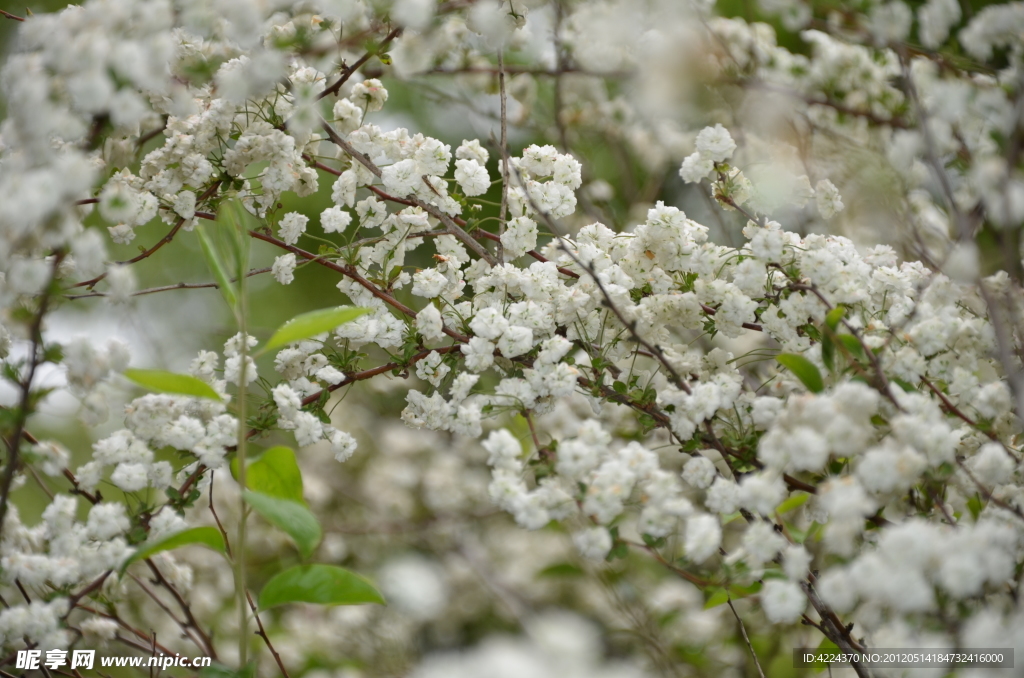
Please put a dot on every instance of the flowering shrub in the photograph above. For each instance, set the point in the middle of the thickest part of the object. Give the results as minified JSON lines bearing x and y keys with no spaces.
{"x":797,"y":439}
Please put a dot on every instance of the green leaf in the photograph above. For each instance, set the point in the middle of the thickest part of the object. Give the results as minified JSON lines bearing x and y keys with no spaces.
{"x":209,"y":537}
{"x":322,"y":584}
{"x":852,"y":345}
{"x":169,"y":382}
{"x":274,"y":473}
{"x":828,"y":352}
{"x":218,"y":267}
{"x":796,"y":501}
{"x":719,"y":596}
{"x":561,"y":570}
{"x":289,"y":516}
{"x":737,"y":591}
{"x":975,"y":506}
{"x":804,"y":369}
{"x":835,"y":316}
{"x":902,"y":384}
{"x":313,"y":323}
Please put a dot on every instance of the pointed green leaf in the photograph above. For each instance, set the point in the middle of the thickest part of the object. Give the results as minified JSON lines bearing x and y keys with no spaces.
{"x":170,"y":382}
{"x":796,"y":501}
{"x":835,"y":316}
{"x":804,"y":369}
{"x":313,"y":323}
{"x":719,"y":596}
{"x":209,"y":537}
{"x":852,"y":345}
{"x":828,"y":352}
{"x":561,"y":570}
{"x":322,"y":584}
{"x":218,"y":267}
{"x":275,"y":472}
{"x":289,"y":516}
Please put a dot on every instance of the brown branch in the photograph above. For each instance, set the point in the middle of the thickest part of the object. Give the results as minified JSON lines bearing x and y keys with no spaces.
{"x":185,"y":608}
{"x":373,"y":372}
{"x":185,"y":627}
{"x":262,"y":633}
{"x":347,"y":73}
{"x":11,"y":16}
{"x":688,"y":576}
{"x":152,"y":250}
{"x":746,"y":638}
{"x":351,"y":272}
{"x":25,"y":401}
{"x":433,"y":211}
{"x":168,"y":288}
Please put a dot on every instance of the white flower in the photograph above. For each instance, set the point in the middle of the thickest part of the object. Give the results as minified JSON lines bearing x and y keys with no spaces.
{"x":343,"y":445}
{"x":472,"y":150}
{"x":762,"y":492}
{"x":991,"y":465}
{"x":723,"y":497}
{"x":292,"y":226}
{"x":489,"y":323}
{"x":99,"y":629}
{"x":699,"y":471}
{"x":370,"y":93}
{"x":696,"y":167}
{"x":429,"y":323}
{"x":827,"y":197}
{"x":703,"y":537}
{"x":130,"y":477}
{"x":504,"y":451}
{"x":232,"y":369}
{"x":472,"y":177}
{"x":428,"y":283}
{"x":284,"y":268}
{"x":308,"y":429}
{"x":515,"y":341}
{"x":107,"y":520}
{"x":347,"y":116}
{"x":335,"y":220}
{"x":402,"y":178}
{"x":796,"y":560}
{"x":762,"y":543}
{"x":185,"y":205}
{"x":519,"y":237}
{"x":593,"y":543}
{"x":715,"y":143}
{"x":783,"y":601}
{"x":479,"y":354}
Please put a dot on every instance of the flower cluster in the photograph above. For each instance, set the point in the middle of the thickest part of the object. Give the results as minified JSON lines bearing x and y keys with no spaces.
{"x":828,"y":429}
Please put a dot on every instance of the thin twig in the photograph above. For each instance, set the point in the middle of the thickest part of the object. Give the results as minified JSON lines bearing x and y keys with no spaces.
{"x":24,"y":404}
{"x":746,"y":638}
{"x":347,"y":72}
{"x":152,"y":250}
{"x":185,"y":608}
{"x":168,"y":288}
{"x":432,"y":210}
